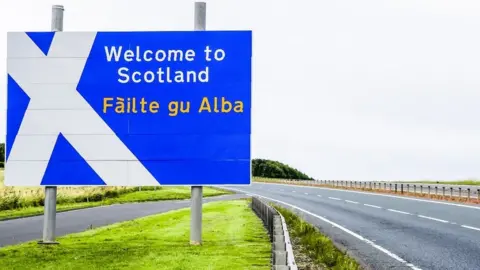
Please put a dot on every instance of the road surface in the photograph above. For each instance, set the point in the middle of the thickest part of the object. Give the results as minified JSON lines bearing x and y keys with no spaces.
{"x":30,"y":228}
{"x":385,"y":231}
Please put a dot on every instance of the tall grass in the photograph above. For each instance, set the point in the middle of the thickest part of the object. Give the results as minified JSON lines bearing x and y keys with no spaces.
{"x":21,"y":197}
{"x":318,"y":247}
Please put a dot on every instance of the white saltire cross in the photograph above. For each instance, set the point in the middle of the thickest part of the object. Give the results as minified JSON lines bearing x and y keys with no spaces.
{"x":56,"y":107}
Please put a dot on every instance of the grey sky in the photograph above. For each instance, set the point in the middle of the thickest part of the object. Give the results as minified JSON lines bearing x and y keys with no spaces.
{"x":347,"y":89}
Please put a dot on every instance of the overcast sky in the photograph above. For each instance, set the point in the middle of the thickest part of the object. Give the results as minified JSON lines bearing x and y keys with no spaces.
{"x":344,"y":89}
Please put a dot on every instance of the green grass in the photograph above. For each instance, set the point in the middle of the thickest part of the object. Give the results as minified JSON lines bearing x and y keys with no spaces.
{"x":162,"y":193}
{"x":461,"y":182}
{"x":319,"y":248}
{"x":234,"y":238}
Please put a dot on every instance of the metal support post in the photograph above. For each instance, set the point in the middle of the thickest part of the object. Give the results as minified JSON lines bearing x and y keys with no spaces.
{"x":197,"y":191}
{"x":50,"y":205}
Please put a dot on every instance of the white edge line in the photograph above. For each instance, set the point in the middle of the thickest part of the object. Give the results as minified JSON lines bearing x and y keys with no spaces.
{"x":371,"y":205}
{"x":359,"y":237}
{"x":398,"y":211}
{"x":436,"y":219}
{"x":470,"y":227}
{"x":377,"y":194}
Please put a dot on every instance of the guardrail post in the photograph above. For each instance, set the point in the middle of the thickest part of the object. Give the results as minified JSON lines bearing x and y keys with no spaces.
{"x":460,"y":192}
{"x":281,"y":248}
{"x":414,"y":189}
{"x":478,"y":194}
{"x":401,"y":188}
{"x":421,"y":189}
{"x":443,"y":191}
{"x":436,"y":191}
{"x":408,"y":188}
{"x":395,"y":187}
{"x":451,"y":192}
{"x":468,"y":194}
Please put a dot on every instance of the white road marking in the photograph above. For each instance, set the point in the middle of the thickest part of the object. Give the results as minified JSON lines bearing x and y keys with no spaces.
{"x":387,"y":252}
{"x":319,"y":195}
{"x":470,"y":227}
{"x":374,"y":206}
{"x":333,"y":198}
{"x":397,"y":211}
{"x":351,"y":201}
{"x":436,"y":219}
{"x":293,"y":191}
{"x":385,"y":195}
{"x":306,"y":193}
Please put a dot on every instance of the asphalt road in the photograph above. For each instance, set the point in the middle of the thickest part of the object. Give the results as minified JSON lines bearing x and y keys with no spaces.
{"x":384,"y":231}
{"x":30,"y":228}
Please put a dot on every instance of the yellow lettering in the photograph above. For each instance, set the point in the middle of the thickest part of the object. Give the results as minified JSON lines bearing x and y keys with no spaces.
{"x":106,"y":104}
{"x":205,"y":105}
{"x":120,"y":108}
{"x":185,"y":109}
{"x":154,"y":107}
{"x":134,"y":105}
{"x":238,"y":107}
{"x":215,"y":104}
{"x":229,"y":105}
{"x":129,"y":104}
{"x":173,"y":108}
{"x":143,"y":103}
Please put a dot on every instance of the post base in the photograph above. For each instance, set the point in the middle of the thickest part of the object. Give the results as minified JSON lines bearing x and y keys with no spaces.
{"x":47,"y":243}
{"x":195,"y":243}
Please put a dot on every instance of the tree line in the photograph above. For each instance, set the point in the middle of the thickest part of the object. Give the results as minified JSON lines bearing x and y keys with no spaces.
{"x":275,"y":169}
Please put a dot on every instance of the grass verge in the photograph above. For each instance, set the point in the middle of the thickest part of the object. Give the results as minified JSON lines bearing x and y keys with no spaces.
{"x":161,"y":193}
{"x":463,"y":182}
{"x":319,"y":250}
{"x":234,"y":238}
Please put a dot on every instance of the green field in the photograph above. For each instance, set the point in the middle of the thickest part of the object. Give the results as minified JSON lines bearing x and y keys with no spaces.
{"x":459,"y":182}
{"x":462,"y":182}
{"x":170,"y":193}
{"x":234,"y":238}
{"x":21,"y":202}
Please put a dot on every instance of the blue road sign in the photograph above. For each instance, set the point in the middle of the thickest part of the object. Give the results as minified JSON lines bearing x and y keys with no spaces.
{"x":129,"y":108}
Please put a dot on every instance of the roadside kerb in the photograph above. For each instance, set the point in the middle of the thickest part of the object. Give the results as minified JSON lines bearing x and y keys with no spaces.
{"x":282,"y":251}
